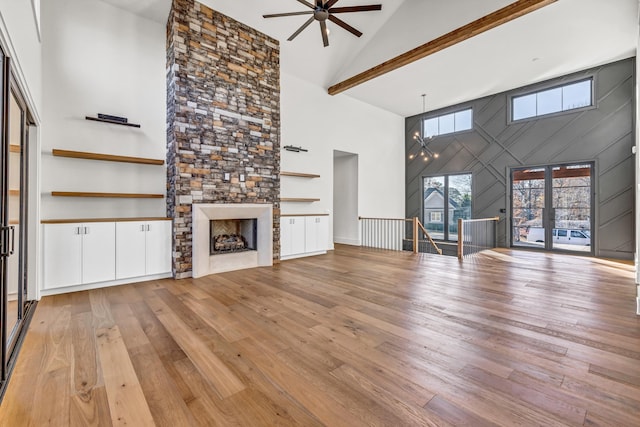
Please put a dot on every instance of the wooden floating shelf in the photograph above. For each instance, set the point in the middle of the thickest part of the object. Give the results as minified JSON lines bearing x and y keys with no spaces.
{"x":105,"y":157}
{"x":301,"y":175}
{"x":14,"y":192}
{"x":77,"y":220}
{"x":113,"y":122}
{"x":107,"y":195}
{"x":13,"y":148}
{"x":298,"y":200}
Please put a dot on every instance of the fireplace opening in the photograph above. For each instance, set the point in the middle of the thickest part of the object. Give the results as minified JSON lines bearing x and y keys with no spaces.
{"x":233,"y":235}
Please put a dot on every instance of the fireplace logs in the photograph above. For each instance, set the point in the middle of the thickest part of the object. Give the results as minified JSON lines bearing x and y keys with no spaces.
{"x":229,"y":243}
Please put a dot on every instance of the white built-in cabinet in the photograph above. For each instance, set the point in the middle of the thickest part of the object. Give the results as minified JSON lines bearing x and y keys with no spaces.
{"x":316,"y":234}
{"x":104,"y":252}
{"x":142,"y":248}
{"x":292,"y":231}
{"x":303,"y":236}
{"x":79,"y":253}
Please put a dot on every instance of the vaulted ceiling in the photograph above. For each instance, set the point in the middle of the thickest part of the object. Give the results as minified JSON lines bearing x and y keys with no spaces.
{"x":563,"y":37}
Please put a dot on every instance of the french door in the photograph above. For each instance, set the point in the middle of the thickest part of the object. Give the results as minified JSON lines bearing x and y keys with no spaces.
{"x":552,"y":207}
{"x":14,"y":303}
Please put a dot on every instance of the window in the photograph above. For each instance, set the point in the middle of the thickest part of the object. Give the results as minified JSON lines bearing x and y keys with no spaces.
{"x":562,"y":233}
{"x":448,"y":123}
{"x":447,"y":198}
{"x":548,"y":101}
{"x":577,"y":234}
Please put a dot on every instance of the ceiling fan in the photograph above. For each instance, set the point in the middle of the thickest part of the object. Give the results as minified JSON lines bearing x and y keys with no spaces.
{"x":323,"y":10}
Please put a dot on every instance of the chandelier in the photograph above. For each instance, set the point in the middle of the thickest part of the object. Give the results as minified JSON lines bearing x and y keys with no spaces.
{"x":421,"y":139}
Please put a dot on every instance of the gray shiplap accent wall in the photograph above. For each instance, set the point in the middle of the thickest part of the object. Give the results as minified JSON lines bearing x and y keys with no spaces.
{"x":604,"y":134}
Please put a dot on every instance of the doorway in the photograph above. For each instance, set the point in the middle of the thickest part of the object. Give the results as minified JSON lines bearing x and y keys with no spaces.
{"x":346,"y":226}
{"x":552,"y":207}
{"x":15,"y":306}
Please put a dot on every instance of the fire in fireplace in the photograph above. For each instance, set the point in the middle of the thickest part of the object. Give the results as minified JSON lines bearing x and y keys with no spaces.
{"x":233,"y":235}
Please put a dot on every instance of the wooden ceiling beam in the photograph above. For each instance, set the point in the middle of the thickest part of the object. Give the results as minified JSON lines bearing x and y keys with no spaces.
{"x":472,"y":29}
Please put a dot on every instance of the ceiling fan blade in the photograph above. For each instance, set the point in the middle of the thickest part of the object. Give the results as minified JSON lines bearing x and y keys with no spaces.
{"x":277,"y":15}
{"x":306,"y":3}
{"x":330,"y":3}
{"x":305,"y":25}
{"x":356,"y":8}
{"x":325,"y":36}
{"x":344,"y":25}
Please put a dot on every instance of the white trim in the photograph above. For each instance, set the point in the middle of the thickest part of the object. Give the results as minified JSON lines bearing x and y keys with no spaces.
{"x":35,"y":5}
{"x":302,"y":255}
{"x":10,"y":51}
{"x":346,"y":241}
{"x":89,"y":286}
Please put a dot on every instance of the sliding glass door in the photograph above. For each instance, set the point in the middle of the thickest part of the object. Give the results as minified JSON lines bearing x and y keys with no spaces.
{"x":15,"y":305}
{"x":551,"y":207}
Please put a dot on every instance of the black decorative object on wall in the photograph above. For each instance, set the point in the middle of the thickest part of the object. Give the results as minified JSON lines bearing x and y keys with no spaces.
{"x":116,"y":120}
{"x":294,"y":149}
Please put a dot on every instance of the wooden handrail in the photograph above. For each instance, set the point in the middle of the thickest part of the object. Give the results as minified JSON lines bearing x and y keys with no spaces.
{"x":429,"y":238}
{"x":495,"y":218}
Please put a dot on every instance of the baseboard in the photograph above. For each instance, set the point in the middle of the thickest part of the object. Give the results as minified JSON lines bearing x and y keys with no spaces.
{"x":615,"y":255}
{"x":89,"y":286}
{"x":346,"y":241}
{"x":302,"y":255}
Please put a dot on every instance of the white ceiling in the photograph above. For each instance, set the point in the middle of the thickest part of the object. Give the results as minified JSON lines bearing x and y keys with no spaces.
{"x":566,"y":36}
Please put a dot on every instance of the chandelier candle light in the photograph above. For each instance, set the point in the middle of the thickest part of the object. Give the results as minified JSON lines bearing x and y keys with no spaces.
{"x":421,"y":139}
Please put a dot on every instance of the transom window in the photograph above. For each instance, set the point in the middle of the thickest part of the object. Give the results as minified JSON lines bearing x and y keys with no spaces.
{"x":557,"y":99}
{"x":448,"y":123}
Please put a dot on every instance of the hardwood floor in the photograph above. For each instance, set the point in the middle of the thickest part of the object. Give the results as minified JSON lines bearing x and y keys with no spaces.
{"x":356,"y":337}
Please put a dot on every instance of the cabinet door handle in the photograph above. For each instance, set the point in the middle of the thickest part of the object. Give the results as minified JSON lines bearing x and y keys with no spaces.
{"x":142,"y":227}
{"x":86,"y":230}
{"x":78,"y":230}
{"x":148,"y":227}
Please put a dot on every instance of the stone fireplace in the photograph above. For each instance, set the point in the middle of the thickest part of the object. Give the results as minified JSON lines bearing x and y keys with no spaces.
{"x":223,"y":137}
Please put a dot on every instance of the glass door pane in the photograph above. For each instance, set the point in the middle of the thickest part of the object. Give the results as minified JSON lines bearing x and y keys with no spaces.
{"x":527,"y":204}
{"x":16,"y":203}
{"x":571,"y":210}
{"x":434,"y":206}
{"x":459,"y":187}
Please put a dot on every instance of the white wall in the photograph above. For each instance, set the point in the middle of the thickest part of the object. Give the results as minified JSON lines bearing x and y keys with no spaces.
{"x":322,"y":123}
{"x":101,"y":59}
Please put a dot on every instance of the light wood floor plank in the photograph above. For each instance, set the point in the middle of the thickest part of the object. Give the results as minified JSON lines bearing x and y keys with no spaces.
{"x":127,"y":402}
